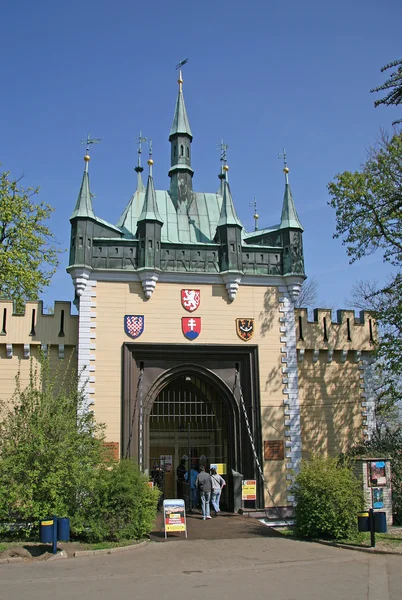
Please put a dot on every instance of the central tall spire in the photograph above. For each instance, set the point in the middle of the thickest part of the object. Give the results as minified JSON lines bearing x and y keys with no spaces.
{"x":180,"y":138}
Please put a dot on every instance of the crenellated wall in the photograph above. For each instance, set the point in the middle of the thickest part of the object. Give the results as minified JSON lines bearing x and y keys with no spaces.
{"x":334,"y":366}
{"x":22,"y":335}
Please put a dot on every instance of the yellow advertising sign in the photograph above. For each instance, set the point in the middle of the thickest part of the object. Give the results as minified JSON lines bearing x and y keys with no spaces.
{"x":46,"y":522}
{"x":220,"y":468}
{"x":249,"y":489}
{"x":174,"y":514}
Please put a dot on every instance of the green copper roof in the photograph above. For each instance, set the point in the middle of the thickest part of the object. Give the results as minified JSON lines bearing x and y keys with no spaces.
{"x":228,"y":215}
{"x":196,"y":223}
{"x":150,"y":207}
{"x":289,"y":216}
{"x":83,"y":206}
{"x":180,"y":120}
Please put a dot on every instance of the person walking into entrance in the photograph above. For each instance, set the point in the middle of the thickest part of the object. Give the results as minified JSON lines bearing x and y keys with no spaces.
{"x":191,"y":478}
{"x":218,"y":484}
{"x":204,"y":486}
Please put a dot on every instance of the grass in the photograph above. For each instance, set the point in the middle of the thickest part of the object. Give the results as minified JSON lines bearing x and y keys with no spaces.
{"x":391,"y":540}
{"x":3,"y":547}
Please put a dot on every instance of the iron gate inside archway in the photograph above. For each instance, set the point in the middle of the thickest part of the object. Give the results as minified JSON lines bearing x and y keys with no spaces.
{"x":189,"y":421}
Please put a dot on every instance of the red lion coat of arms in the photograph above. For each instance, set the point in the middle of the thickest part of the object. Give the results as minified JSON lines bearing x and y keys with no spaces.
{"x":190,"y":299}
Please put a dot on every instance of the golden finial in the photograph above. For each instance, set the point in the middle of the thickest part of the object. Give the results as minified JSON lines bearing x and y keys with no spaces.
{"x":87,"y":158}
{"x":225,"y":167}
{"x":88,"y":142}
{"x":286,"y":170}
{"x":150,"y":162}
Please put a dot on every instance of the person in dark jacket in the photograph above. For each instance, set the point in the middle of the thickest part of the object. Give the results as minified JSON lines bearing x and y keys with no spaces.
{"x":203,"y":484}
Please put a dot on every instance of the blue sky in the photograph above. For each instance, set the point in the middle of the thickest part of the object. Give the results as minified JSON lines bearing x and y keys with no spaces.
{"x":262,"y":75}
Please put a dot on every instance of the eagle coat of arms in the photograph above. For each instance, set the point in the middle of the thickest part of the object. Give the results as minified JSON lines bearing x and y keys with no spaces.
{"x":245,"y":329}
{"x":134,"y":325}
{"x":190,"y":299}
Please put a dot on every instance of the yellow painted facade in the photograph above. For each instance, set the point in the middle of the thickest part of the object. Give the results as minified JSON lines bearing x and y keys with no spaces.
{"x":331,"y":386}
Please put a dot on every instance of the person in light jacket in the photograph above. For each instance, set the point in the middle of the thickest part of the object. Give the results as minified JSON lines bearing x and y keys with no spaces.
{"x":204,"y":486}
{"x":218,"y":484}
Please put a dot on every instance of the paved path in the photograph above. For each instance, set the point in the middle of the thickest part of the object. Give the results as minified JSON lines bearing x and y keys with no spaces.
{"x":245,"y":568}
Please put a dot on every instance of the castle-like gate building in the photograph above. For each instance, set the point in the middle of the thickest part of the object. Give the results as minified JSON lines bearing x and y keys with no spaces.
{"x":187,"y":339}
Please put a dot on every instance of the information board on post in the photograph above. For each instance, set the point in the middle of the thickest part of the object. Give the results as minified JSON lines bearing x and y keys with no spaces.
{"x":174,"y":515}
{"x":249,"y":489}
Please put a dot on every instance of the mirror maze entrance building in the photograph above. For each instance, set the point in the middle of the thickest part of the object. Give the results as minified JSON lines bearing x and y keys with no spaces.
{"x":188,"y":340}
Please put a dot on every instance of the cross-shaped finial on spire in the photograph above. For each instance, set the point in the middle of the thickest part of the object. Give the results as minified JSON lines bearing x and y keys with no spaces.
{"x":150,"y":159}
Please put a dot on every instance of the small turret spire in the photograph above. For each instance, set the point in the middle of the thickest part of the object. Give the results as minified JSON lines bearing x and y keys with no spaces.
{"x":289,"y":216}
{"x":150,"y":210}
{"x":181,"y":124}
{"x":83,"y":206}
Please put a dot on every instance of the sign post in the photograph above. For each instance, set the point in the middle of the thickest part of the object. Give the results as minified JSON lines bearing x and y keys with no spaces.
{"x":174,"y":516}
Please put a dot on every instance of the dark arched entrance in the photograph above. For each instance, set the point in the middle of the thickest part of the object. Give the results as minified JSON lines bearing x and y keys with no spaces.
{"x":191,"y":419}
{"x":178,"y":401}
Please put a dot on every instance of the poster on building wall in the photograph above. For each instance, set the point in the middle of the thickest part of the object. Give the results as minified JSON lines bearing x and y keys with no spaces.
{"x":378,"y":497}
{"x":166,"y":462}
{"x":377,"y":474}
{"x":249,"y":489}
{"x":174,"y":515}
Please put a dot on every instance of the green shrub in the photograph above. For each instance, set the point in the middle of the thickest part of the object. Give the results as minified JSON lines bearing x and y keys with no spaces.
{"x":53,"y":462}
{"x":328,"y":497}
{"x":119,"y":505}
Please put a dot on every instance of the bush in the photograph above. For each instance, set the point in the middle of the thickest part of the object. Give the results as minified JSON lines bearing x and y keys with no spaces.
{"x":53,"y":462}
{"x":118,"y":505}
{"x":328,"y":497}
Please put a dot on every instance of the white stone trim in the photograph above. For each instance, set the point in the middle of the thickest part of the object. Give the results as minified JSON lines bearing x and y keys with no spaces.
{"x":148,"y":280}
{"x":27,"y":350}
{"x":232,"y":283}
{"x":291,"y":403}
{"x":368,"y":395}
{"x":9,"y":350}
{"x":86,"y":341}
{"x":80,"y":276}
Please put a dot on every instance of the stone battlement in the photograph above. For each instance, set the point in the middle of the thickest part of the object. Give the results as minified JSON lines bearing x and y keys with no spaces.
{"x":35,"y":327}
{"x":346,"y":333}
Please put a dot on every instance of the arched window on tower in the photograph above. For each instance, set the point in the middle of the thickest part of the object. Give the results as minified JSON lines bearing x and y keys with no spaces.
{"x":181,"y":150}
{"x":188,"y":152}
{"x":174,"y":151}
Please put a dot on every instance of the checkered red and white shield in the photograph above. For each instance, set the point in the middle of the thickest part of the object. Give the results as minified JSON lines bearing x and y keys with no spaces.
{"x":134,"y":325}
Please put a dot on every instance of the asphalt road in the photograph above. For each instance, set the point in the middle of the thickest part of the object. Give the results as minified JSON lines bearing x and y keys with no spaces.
{"x":244,"y":569}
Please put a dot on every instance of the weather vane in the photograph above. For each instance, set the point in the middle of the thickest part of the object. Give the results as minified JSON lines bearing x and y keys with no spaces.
{"x":256,"y":217}
{"x":181,"y":63}
{"x":285,"y":164}
{"x":140,"y":140}
{"x":224,"y":167}
{"x":90,"y":141}
{"x":87,"y":143}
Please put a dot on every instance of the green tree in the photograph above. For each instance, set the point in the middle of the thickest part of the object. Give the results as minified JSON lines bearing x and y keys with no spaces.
{"x":49,"y":447}
{"x":368,"y":205}
{"x":53,"y":461}
{"x":328,"y":497}
{"x":393,"y":87}
{"x":28,"y":255}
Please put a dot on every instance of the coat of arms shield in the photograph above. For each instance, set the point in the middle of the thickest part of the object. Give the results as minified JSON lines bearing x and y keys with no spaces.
{"x":191,"y":327}
{"x":245,"y":329}
{"x":134,"y":325}
{"x":190,"y":299}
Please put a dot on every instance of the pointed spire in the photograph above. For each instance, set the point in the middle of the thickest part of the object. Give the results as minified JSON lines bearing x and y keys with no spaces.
{"x":228,"y":214}
{"x":289,"y":216}
{"x":181,"y":124}
{"x":150,"y":210}
{"x":83,"y":206}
